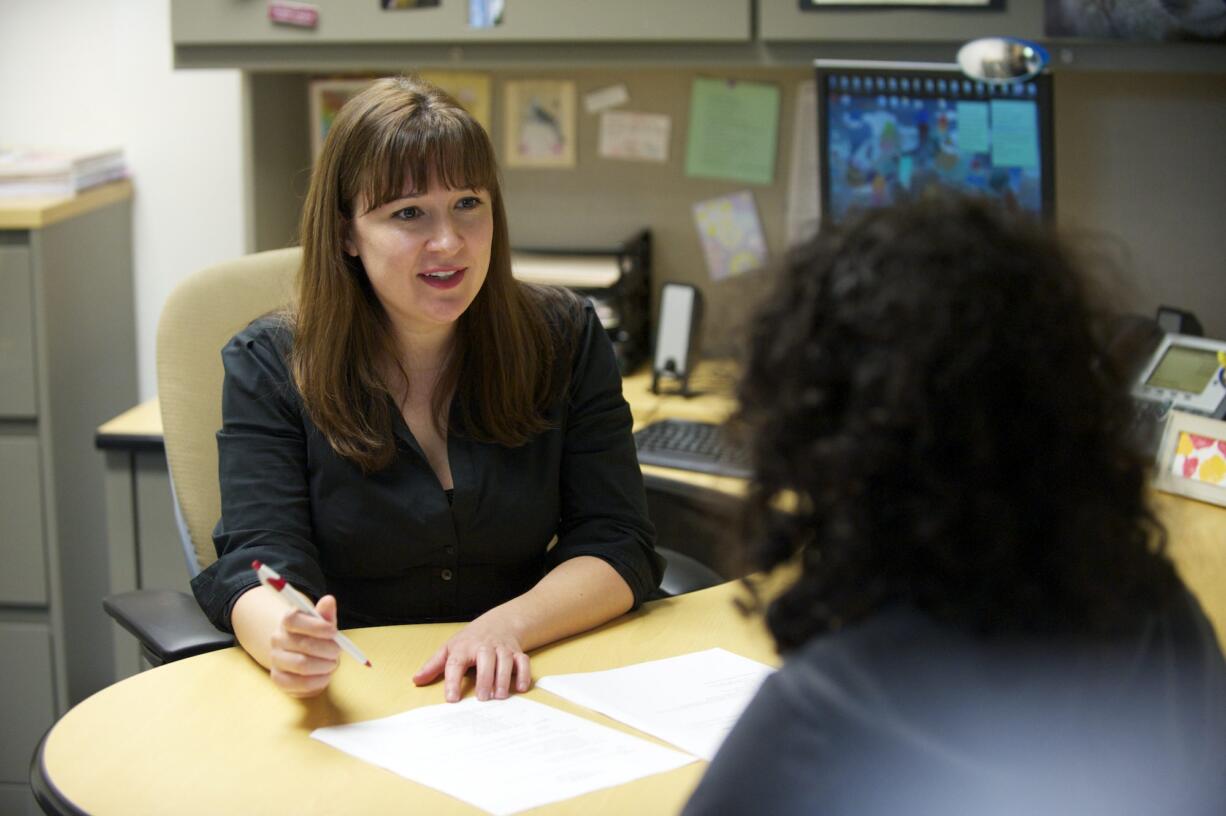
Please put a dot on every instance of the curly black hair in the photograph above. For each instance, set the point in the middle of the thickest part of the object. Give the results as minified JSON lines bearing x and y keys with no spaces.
{"x":930,"y":386}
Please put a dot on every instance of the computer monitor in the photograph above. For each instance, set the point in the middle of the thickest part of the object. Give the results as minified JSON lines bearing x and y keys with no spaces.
{"x":890,"y":132}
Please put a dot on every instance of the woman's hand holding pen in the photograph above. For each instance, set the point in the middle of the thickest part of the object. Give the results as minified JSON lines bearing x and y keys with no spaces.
{"x":298,"y":649}
{"x":489,"y":645}
{"x":304,"y":653}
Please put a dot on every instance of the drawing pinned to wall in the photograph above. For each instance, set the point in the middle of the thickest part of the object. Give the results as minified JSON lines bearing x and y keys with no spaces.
{"x":327,"y":97}
{"x":470,"y":89}
{"x":734,"y":129}
{"x":485,"y":13}
{"x":1189,"y":20}
{"x":731,"y":235}
{"x":540,"y":123}
{"x":634,"y":136}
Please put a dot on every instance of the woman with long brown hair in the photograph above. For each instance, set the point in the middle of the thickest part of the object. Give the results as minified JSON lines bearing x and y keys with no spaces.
{"x":421,"y":437}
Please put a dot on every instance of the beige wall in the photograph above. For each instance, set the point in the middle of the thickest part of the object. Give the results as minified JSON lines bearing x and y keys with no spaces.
{"x":1142,"y":158}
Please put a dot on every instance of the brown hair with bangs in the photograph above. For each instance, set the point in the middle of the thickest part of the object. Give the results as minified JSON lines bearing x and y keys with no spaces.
{"x":501,"y":371}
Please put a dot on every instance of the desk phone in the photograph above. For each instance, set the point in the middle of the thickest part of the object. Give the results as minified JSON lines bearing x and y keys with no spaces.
{"x":1185,"y":373}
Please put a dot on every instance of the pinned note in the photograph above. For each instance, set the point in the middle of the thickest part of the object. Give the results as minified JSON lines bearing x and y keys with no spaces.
{"x":734,"y":130}
{"x":639,"y":136}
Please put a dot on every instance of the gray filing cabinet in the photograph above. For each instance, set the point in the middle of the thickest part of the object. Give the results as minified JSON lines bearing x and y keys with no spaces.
{"x":67,"y":362}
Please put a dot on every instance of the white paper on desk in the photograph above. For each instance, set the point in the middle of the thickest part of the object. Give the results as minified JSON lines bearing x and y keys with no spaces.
{"x":502,"y":756}
{"x":691,"y":701}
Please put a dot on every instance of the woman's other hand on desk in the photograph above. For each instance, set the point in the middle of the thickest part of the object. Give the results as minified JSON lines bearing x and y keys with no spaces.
{"x":297,"y":649}
{"x":576,"y":595}
{"x":487,"y":645}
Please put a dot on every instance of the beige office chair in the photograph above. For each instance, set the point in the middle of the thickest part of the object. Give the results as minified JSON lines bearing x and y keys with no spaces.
{"x":199,"y":317}
{"x":204,"y":312}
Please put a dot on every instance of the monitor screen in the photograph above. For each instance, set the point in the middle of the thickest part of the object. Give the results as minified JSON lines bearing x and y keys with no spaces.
{"x":890,"y":132}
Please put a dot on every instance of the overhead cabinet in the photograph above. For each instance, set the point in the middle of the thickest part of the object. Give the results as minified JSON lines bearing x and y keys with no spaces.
{"x":246,"y":22}
{"x":785,"y":21}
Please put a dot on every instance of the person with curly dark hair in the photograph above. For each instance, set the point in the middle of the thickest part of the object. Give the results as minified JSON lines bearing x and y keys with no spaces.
{"x":984,"y":620}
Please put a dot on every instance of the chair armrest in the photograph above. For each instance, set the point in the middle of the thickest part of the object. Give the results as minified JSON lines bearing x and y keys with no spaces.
{"x":683,"y":574}
{"x":169,"y":624}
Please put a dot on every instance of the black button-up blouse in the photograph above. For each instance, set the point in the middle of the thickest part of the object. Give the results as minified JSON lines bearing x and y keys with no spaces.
{"x":389,"y":545}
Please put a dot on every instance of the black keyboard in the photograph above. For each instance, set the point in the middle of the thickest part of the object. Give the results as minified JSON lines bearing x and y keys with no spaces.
{"x":690,"y":445}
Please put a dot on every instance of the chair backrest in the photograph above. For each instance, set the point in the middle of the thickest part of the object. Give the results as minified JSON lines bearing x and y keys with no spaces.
{"x":201,"y":314}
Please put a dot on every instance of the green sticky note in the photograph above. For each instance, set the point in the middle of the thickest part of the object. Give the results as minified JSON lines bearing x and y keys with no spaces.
{"x":734,"y":128}
{"x":1015,"y":134}
{"x":973,"y":127}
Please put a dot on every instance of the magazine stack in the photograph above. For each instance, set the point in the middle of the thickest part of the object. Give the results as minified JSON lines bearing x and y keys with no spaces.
{"x":50,"y":172}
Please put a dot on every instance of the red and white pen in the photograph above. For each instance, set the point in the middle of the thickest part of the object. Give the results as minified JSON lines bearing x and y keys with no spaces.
{"x":270,"y":579}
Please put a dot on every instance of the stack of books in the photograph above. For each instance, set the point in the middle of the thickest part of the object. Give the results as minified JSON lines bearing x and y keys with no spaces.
{"x":46,"y":172}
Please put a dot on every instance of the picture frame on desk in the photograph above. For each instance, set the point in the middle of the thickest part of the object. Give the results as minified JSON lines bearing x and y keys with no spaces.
{"x":1191,"y":458}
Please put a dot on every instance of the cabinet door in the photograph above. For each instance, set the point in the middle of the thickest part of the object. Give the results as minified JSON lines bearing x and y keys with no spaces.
{"x":23,"y":578}
{"x":783,"y":20}
{"x":16,"y":333}
{"x":27,"y":706}
{"x":225,"y":22}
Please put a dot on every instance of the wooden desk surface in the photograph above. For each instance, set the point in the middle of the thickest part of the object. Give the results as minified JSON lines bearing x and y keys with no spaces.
{"x":211,"y":734}
{"x":1197,"y":545}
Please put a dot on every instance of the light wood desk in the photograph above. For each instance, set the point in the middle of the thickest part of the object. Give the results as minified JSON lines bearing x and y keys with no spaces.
{"x":211,"y":734}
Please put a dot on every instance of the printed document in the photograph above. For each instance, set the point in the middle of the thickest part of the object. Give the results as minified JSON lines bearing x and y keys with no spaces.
{"x":690,"y":701}
{"x":522,"y":754}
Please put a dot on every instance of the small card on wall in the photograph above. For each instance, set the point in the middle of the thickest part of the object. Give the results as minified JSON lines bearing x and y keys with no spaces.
{"x":605,"y":98}
{"x":634,"y":136}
